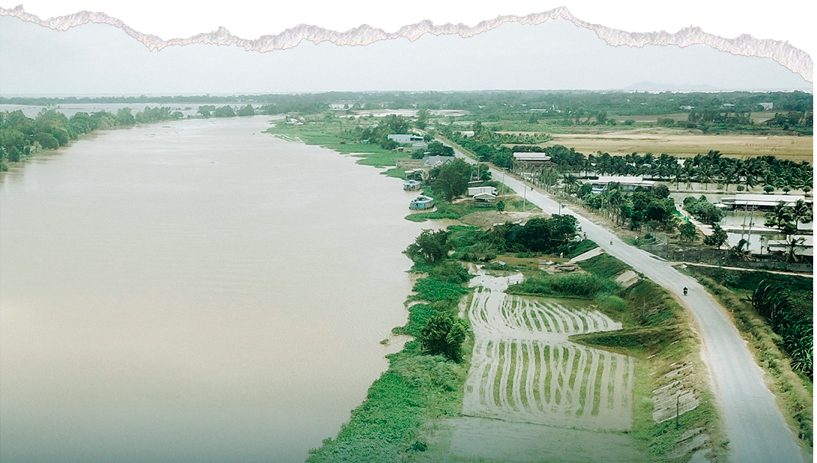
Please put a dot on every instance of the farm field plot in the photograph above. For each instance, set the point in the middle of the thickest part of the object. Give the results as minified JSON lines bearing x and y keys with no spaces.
{"x":523,"y":368}
{"x":563,"y":384}
{"x":795,"y":148}
{"x":681,"y":143}
{"x":530,"y":391}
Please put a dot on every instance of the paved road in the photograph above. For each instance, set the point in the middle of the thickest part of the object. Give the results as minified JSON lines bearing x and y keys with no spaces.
{"x":755,"y":427}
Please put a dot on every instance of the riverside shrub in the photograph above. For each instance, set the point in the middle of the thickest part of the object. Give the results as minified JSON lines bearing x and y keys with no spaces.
{"x":566,"y":284}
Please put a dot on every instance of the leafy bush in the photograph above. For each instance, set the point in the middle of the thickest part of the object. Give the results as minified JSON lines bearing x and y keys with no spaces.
{"x":433,"y":290}
{"x":564,"y":284}
{"x":443,"y":334}
{"x":450,"y":272}
{"x":430,"y":247}
{"x":703,"y":210}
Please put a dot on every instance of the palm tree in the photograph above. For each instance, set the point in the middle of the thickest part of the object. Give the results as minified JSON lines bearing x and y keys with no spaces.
{"x":792,"y":244}
{"x":705,"y":174}
{"x":730,"y":176}
{"x":801,"y":213}
{"x":570,"y":183}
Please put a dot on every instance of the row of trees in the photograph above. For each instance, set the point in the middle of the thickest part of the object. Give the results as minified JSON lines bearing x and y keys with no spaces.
{"x":207,"y":111}
{"x":651,"y":207}
{"x":22,"y":136}
{"x":709,"y":169}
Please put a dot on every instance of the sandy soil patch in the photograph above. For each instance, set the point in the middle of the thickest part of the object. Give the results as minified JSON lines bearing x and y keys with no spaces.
{"x":488,"y":218}
{"x":628,"y":278}
{"x":588,"y":255}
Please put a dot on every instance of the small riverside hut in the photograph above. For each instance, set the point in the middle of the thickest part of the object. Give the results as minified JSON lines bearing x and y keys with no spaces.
{"x":421,"y":203}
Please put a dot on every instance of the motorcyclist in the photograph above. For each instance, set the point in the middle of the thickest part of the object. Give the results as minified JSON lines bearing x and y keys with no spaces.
{"x":685,"y":290}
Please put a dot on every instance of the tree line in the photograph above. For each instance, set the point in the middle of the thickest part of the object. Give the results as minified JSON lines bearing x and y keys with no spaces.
{"x":22,"y":136}
{"x":480,"y":103}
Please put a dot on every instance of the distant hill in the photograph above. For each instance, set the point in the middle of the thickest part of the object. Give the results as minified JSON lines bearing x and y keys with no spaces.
{"x":646,"y":86}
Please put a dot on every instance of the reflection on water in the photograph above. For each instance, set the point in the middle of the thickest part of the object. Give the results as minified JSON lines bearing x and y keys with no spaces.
{"x":193,"y":291}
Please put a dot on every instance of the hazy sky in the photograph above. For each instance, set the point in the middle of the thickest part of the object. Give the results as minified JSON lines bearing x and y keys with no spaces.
{"x":102,"y":59}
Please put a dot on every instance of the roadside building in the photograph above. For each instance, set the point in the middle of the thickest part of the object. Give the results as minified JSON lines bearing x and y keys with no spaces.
{"x":404,"y":138}
{"x":538,"y":159}
{"x":432,"y":162}
{"x":419,"y":146}
{"x":760,"y":202}
{"x":626,"y":183}
{"x":484,"y":197}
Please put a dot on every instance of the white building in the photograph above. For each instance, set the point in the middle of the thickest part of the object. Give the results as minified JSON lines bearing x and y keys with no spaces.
{"x":762,"y":202}
{"x":536,"y":158}
{"x":404,"y":138}
{"x":627,"y":183}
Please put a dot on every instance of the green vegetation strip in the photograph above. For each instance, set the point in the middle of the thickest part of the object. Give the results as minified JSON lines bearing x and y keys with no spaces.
{"x":328,"y":135}
{"x":417,"y":389}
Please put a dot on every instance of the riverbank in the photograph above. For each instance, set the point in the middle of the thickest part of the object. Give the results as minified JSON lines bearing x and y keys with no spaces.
{"x":416,"y":391}
{"x":225,"y":333}
{"x":324,"y":134}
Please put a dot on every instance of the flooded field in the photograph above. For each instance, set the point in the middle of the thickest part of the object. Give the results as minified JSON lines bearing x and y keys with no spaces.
{"x":193,"y":291}
{"x":530,"y":390}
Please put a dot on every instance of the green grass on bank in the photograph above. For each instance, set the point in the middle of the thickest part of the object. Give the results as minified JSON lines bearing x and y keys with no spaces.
{"x":387,"y":427}
{"x":417,"y":389}
{"x":445,"y":210}
{"x":328,"y":136}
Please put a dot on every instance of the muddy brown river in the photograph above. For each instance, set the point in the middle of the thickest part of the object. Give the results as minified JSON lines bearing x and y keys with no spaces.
{"x":193,"y":291}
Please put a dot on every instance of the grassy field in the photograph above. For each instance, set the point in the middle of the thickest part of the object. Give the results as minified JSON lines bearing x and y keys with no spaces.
{"x":446,"y":210}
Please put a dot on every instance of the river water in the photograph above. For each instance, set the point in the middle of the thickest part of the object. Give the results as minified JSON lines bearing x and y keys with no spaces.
{"x":193,"y":291}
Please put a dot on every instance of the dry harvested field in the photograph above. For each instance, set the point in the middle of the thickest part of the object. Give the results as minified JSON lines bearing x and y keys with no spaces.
{"x":678,"y":143}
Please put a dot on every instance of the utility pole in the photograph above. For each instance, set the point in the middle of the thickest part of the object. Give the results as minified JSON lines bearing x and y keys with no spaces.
{"x":677,"y":409}
{"x":749,"y":239}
